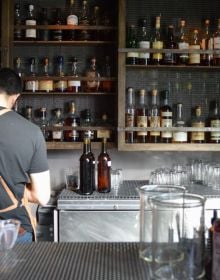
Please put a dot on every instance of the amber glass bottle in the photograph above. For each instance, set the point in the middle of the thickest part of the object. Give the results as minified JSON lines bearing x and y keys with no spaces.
{"x":104,"y":169}
{"x":166,"y":117}
{"x":198,"y":136}
{"x":154,"y":119}
{"x":142,"y":117}
{"x":72,"y":119}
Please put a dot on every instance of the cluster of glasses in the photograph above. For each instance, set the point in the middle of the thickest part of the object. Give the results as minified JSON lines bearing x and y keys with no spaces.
{"x":196,"y":172}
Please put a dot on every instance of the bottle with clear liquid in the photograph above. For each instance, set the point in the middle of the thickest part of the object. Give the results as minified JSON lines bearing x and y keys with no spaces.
{"x":183,"y":44}
{"x":214,"y":121}
{"x":57,"y":123}
{"x":142,"y":117}
{"x":143,"y":43}
{"x":73,"y":120}
{"x":46,"y":84}
{"x":194,"y":58}
{"x":74,"y":85}
{"x":72,"y":19}
{"x":198,"y":136}
{"x":154,"y":118}
{"x":166,"y":118}
{"x":206,"y":45}
{"x":170,"y":58}
{"x":32,"y":84}
{"x":216,"y":45}
{"x":92,"y":83}
{"x":18,"y":35}
{"x":131,"y":43}
{"x":87,"y":169}
{"x":104,"y":169}
{"x":130,"y":115}
{"x":179,"y":136}
{"x":157,"y":43}
{"x":30,"y":34}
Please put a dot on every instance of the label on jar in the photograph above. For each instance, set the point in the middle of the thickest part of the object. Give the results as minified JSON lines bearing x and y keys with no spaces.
{"x":194,"y":58}
{"x":144,"y":45}
{"x":141,"y":122}
{"x":154,"y":123}
{"x":215,"y":135}
{"x":103,"y":133}
{"x":157,"y":45}
{"x":129,"y":120}
{"x":60,"y":85}
{"x":179,"y":136}
{"x":71,"y":83}
{"x":132,"y":54}
{"x":183,"y":46}
{"x":30,"y":33}
{"x":72,"y":19}
{"x":166,"y":123}
{"x":46,"y":85}
{"x":31,"y":86}
{"x":198,"y":135}
{"x":57,"y":134}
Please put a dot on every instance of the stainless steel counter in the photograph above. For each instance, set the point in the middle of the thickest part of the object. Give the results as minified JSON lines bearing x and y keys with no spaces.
{"x":73,"y":261}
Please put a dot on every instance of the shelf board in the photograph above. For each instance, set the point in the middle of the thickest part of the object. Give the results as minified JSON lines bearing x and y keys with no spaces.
{"x":70,"y":43}
{"x":67,"y":93}
{"x":64,"y":78}
{"x":189,"y":147}
{"x":76,"y":145}
{"x":173,"y":67}
{"x":67,"y":27}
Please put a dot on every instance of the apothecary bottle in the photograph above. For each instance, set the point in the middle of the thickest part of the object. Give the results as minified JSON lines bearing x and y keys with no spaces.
{"x":46,"y":83}
{"x":214,"y":122}
{"x":32,"y":83}
{"x":17,"y":21}
{"x":179,"y":136}
{"x":198,"y":122}
{"x":74,"y":84}
{"x":30,"y":34}
{"x":143,"y":43}
{"x":183,"y":44}
{"x":87,"y":169}
{"x":166,"y":117}
{"x":157,"y":43}
{"x":104,"y":169}
{"x":96,"y":35}
{"x":142,"y":117}
{"x":57,"y":124}
{"x":92,"y":82}
{"x":194,"y":58}
{"x":72,"y":135}
{"x":131,"y":43}
{"x":130,"y":115}
{"x":154,"y":118}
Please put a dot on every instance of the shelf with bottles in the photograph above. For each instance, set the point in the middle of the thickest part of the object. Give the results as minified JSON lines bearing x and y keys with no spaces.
{"x":76,"y":146}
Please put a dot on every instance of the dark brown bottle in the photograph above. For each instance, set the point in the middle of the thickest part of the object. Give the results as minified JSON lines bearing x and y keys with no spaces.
{"x":17,"y":21}
{"x":166,"y":118}
{"x":154,"y":118}
{"x":44,"y":34}
{"x":30,"y":33}
{"x":72,"y":119}
{"x":142,"y":117}
{"x":214,"y":122}
{"x":198,"y":122}
{"x":87,"y":169}
{"x":169,"y":57}
{"x":57,"y":34}
{"x":104,"y":169}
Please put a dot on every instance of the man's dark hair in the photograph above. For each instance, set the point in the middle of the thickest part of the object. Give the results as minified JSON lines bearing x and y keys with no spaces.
{"x":10,"y":82}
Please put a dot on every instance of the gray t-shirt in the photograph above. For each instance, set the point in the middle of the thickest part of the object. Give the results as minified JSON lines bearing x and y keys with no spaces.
{"x":22,"y":152}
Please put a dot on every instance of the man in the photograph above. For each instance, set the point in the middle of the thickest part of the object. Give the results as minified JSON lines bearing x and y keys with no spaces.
{"x":24,"y":172}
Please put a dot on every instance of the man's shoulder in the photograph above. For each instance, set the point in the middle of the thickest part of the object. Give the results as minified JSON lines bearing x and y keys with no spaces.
{"x":23,"y":121}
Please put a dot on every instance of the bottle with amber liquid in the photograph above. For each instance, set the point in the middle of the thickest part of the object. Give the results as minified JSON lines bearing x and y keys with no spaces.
{"x":206,"y":45}
{"x":92,"y":83}
{"x":32,"y":83}
{"x":214,"y":121}
{"x":194,"y":58}
{"x":130,"y":115}
{"x":183,"y":44}
{"x":142,"y":117}
{"x":104,"y":169}
{"x":180,"y":136}
{"x":57,"y":124}
{"x":170,"y":58}
{"x":46,"y":84}
{"x":198,"y":122}
{"x":157,"y":43}
{"x":107,"y":85}
{"x":73,"y":120}
{"x":74,"y":85}
{"x":30,"y":33}
{"x":166,"y":117}
{"x":154,"y":118}
{"x":87,"y":169}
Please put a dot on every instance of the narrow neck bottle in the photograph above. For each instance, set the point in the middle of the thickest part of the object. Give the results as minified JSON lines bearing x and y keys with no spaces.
{"x":215,"y":123}
{"x":44,"y":34}
{"x":169,"y":57}
{"x":183,"y":43}
{"x":198,"y":136}
{"x":60,"y":85}
{"x":32,"y":84}
{"x":57,"y":135}
{"x":207,"y":45}
{"x":143,"y":43}
{"x":46,"y":84}
{"x":166,"y":118}
{"x":142,"y":117}
{"x":194,"y":58}
{"x":30,"y":34}
{"x":130,"y":116}
{"x":74,"y":85}
{"x":157,"y":58}
{"x":179,"y":136}
{"x":131,"y":43}
{"x":154,"y":119}
{"x":17,"y":22}
{"x":57,"y":34}
{"x":72,"y":119}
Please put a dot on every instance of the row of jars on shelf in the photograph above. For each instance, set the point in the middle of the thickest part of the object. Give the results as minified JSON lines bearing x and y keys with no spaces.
{"x":57,"y":128}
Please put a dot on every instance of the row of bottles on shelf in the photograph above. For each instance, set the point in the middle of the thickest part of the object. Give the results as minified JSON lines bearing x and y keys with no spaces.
{"x":87,"y":172}
{"x":161,"y":116}
{"x":195,"y":39}
{"x":53,"y":128}
{"x":73,"y":83}
{"x":81,"y":16}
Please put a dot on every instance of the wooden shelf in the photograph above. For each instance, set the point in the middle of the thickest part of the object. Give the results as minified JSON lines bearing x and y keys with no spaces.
{"x":67,"y":27}
{"x":92,"y":43}
{"x":67,"y":93}
{"x":76,"y":145}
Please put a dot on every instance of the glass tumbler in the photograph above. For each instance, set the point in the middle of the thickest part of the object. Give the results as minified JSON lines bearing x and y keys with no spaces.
{"x":146,"y":194}
{"x":178,"y":236}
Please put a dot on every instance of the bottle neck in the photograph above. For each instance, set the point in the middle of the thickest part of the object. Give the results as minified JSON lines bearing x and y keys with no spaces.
{"x":87,"y":146}
{"x":104,"y":148}
{"x":179,"y":112}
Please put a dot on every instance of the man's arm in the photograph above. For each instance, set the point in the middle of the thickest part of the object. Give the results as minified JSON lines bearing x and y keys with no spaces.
{"x":38,"y":191}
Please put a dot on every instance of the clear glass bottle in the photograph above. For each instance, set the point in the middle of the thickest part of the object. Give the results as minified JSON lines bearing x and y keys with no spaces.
{"x":154,"y":118}
{"x":131,"y":43}
{"x":206,"y":45}
{"x":57,"y":34}
{"x":44,"y":123}
{"x":32,"y":84}
{"x":72,"y":19}
{"x":57,"y":123}
{"x":18,"y":34}
{"x":75,"y":84}
{"x":143,"y":43}
{"x":31,"y":34}
{"x":194,"y":58}
{"x":104,"y":169}
{"x":92,"y":83}
{"x":73,"y":120}
{"x":84,"y":19}
{"x":46,"y":84}
{"x":170,"y":58}
{"x":130,"y":115}
{"x":183,"y":44}
{"x":216,"y":45}
{"x":44,"y":34}
{"x":157,"y":43}
{"x":142,"y":117}
{"x":166,"y":118}
{"x":179,"y":136}
{"x":198,"y":122}
{"x":214,"y":121}
{"x":60,"y":85}
{"x":87,"y":169}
